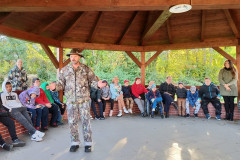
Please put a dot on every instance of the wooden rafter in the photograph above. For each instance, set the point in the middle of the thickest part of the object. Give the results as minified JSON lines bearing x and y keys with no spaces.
{"x":160,"y":20}
{"x":95,"y":27}
{"x":5,"y":17}
{"x":232,"y":23}
{"x":126,"y":30}
{"x":133,"y":58}
{"x":153,"y":58}
{"x":28,"y":36}
{"x":203,"y":22}
{"x":225,"y":54}
{"x":42,"y":28}
{"x":50,"y":55}
{"x":66,"y":62}
{"x":208,"y":43}
{"x":169,"y":32}
{"x":70,"y":25}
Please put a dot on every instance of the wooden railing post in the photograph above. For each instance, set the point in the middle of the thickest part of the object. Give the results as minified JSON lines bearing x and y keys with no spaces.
{"x":143,"y":67}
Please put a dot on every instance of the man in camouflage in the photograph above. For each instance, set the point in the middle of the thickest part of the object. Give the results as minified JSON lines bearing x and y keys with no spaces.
{"x":76,"y":79}
{"x":18,"y":77}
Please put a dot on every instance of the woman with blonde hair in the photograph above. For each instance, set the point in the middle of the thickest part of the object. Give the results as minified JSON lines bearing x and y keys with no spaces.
{"x":117,"y":95}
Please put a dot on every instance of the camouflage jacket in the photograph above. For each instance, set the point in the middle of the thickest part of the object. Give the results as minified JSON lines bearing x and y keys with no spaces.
{"x":18,"y":78}
{"x":76,"y":83}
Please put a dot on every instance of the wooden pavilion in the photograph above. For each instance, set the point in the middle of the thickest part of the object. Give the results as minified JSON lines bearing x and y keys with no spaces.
{"x":124,"y":25}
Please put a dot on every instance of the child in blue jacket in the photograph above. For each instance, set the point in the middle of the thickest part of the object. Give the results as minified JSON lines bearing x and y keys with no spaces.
{"x":192,"y":98}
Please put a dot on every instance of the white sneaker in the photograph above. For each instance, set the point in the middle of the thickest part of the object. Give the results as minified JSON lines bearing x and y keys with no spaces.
{"x":129,"y":111}
{"x":125,"y":110}
{"x":111,"y":112}
{"x":36,"y":138}
{"x":119,"y":114}
{"x":40,"y":134}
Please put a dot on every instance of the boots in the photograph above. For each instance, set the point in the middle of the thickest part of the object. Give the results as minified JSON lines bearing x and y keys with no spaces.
{"x":227,"y":116}
{"x":231,"y":116}
{"x":167,"y":116}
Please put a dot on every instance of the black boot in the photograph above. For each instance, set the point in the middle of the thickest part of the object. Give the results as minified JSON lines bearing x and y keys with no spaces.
{"x":166,"y":115}
{"x":74,"y":148}
{"x":88,"y":149}
{"x":231,"y":116}
{"x":227,"y":116}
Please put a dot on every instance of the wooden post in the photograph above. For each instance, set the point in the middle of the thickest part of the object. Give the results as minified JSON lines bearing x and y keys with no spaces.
{"x":238,"y":66}
{"x":143,"y":68}
{"x":60,"y":61}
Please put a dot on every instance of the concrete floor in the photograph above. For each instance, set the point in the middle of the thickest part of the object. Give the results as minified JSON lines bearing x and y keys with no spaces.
{"x":137,"y":138}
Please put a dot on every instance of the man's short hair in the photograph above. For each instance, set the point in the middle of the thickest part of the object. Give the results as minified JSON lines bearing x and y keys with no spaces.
{"x":207,"y":78}
{"x":8,"y":83}
{"x":169,"y":77}
{"x":35,"y":79}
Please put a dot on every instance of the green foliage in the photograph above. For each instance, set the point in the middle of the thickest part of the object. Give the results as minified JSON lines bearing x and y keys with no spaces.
{"x":189,"y":66}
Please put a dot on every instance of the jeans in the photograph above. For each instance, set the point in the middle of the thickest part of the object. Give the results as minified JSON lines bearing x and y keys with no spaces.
{"x":215,"y":102}
{"x":104,"y":103}
{"x":54,"y":111}
{"x":9,"y":123}
{"x":140,"y":104}
{"x":197,"y":105}
{"x":229,"y":104}
{"x":154,"y":105}
{"x":40,"y":115}
{"x":167,"y":100}
{"x":100,"y":105}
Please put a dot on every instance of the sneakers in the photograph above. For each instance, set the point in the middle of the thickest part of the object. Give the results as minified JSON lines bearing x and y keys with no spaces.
{"x":152,"y":115}
{"x":143,"y":114}
{"x":40,"y":134}
{"x":119,"y":114}
{"x":175,"y":106}
{"x":97,"y":118}
{"x":54,"y":125}
{"x":125,"y":110}
{"x":208,"y":116}
{"x":196,"y":115}
{"x":162,"y":116}
{"x":44,"y":129}
{"x":74,"y":148}
{"x":18,"y":143}
{"x":111,"y":112}
{"x":37,"y":128}
{"x":60,"y":123}
{"x":187,"y":116}
{"x":36,"y":138}
{"x":101,"y":118}
{"x":130,"y":111}
{"x":7,"y":147}
{"x":88,"y":149}
{"x":91,"y":117}
{"x":218,"y":117}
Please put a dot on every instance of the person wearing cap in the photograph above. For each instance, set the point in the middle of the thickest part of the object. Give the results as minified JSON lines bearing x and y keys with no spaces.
{"x":18,"y":77}
{"x":76,"y":79}
{"x":210,"y":93}
{"x":181,"y":93}
{"x":192,"y":99}
{"x":127,"y":96}
{"x":138,"y":91}
{"x":168,"y":91}
{"x":154,"y":96}
{"x":117,"y":95}
{"x":106,"y":97}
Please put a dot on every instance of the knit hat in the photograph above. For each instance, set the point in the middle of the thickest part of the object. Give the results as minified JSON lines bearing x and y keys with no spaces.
{"x":154,"y":85}
{"x":125,"y":81}
{"x":180,"y":82}
{"x":193,"y":89}
{"x":75,"y":51}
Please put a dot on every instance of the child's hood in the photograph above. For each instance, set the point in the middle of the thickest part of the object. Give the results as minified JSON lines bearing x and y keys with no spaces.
{"x":44,"y":85}
{"x":34,"y":90}
{"x":4,"y":86}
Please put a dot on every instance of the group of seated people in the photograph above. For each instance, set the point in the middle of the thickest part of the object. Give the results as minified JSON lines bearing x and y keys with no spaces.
{"x":31,"y":109}
{"x":150,"y":100}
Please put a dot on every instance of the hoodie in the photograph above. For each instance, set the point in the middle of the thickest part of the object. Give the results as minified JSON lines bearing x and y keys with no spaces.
{"x":26,"y":99}
{"x":10,"y":100}
{"x":47,"y":92}
{"x":138,"y":89}
{"x":209,"y":92}
{"x":192,"y":98}
{"x":42,"y":99}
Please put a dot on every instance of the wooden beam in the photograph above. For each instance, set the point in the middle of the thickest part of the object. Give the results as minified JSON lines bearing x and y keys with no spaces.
{"x":153,"y":58}
{"x":5,"y":17}
{"x":169,"y":32}
{"x":143,"y":68}
{"x":28,"y":36}
{"x":208,"y":43}
{"x":50,"y":55}
{"x":160,"y":20}
{"x":71,"y":25}
{"x":42,"y":28}
{"x":95,"y":27}
{"x":109,"y":5}
{"x":127,"y":28}
{"x":60,"y":60}
{"x":238,"y":66}
{"x":203,"y":23}
{"x":134,"y":58}
{"x":225,"y":54}
{"x":66,"y":62}
{"x":232,"y":23}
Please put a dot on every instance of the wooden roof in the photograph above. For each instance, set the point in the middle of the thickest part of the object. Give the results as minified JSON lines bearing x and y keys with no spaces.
{"x":143,"y":25}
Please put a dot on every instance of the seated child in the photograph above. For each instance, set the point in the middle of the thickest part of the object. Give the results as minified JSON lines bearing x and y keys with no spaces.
{"x":154,"y":96}
{"x":192,"y":98}
{"x":181,"y":99}
{"x":127,"y":96}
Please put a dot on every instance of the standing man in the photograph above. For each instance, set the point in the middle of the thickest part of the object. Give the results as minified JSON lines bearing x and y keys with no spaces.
{"x":76,"y":79}
{"x":18,"y":77}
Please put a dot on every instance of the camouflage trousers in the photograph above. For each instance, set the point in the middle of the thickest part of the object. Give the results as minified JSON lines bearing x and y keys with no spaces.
{"x":74,"y":111}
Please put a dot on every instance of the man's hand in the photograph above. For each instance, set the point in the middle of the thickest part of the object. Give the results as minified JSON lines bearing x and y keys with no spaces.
{"x":38,"y":106}
{"x":99,"y":100}
{"x":52,"y":86}
{"x":48,"y":105}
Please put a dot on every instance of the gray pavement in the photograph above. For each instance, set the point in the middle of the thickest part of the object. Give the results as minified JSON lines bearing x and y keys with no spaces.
{"x":137,"y":138}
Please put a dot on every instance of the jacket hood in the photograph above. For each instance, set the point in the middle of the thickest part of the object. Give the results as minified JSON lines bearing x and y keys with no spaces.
{"x":34,"y":90}
{"x":4,"y":86}
{"x":43,"y":86}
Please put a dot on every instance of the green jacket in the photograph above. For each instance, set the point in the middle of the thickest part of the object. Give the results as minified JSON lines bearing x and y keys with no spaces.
{"x":225,"y":77}
{"x":47,"y":92}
